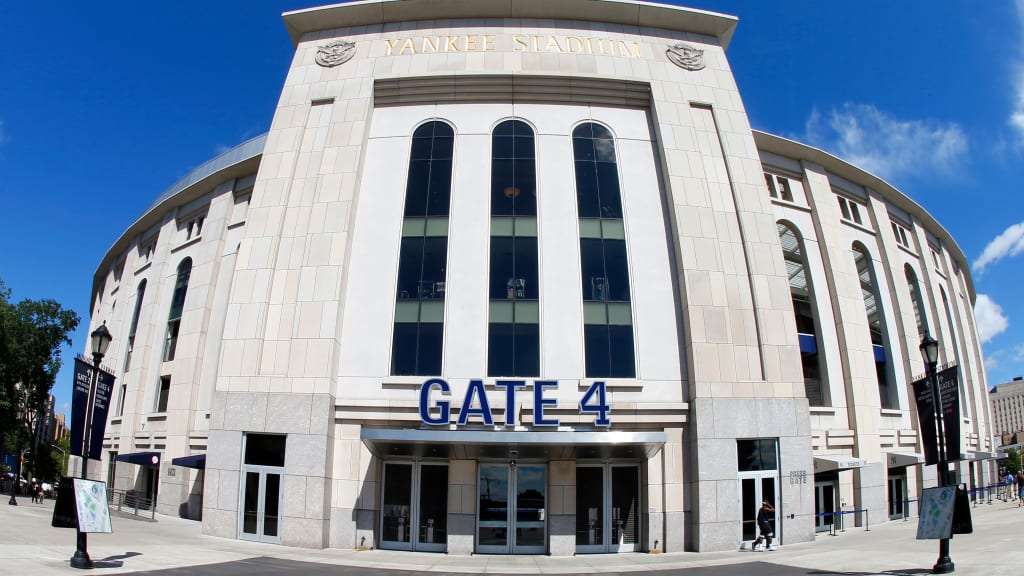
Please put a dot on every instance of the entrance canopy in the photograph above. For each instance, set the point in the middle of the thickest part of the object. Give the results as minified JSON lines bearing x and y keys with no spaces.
{"x":196,"y":461}
{"x":141,"y":458}
{"x":472,"y":444}
{"x":978,"y":455}
{"x":831,"y":462}
{"x":901,"y":459}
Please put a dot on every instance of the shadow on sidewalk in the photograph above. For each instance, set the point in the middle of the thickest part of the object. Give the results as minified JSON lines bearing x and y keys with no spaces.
{"x":114,"y":561}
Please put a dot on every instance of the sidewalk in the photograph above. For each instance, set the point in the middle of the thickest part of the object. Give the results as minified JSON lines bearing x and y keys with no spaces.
{"x":29,"y":546}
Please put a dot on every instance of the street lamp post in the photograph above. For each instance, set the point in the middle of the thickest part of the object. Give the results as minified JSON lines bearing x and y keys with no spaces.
{"x":17,"y":446}
{"x":100,"y":338}
{"x":930,"y":351}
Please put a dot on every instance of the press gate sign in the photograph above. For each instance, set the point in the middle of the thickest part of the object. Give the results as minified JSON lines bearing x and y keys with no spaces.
{"x":436,"y":408}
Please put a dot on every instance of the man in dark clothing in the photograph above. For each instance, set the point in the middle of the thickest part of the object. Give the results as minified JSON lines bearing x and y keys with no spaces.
{"x":765,"y":516}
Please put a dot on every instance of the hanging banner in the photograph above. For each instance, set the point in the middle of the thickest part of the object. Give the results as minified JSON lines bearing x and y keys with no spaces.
{"x":925,"y":398}
{"x":80,"y":407}
{"x":79,"y":404}
{"x":949,"y":392}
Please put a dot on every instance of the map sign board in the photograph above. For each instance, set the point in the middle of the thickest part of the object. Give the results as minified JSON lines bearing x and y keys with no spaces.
{"x":82,"y":504}
{"x":936,"y":521}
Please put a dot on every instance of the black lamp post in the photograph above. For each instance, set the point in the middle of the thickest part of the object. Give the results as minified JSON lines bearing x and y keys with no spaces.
{"x":100,"y":338}
{"x":930,"y":351}
{"x":17,"y":446}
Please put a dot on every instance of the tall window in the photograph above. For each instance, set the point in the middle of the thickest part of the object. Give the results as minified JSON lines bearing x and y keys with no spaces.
{"x":607,"y":314}
{"x":803,"y":307}
{"x":139,"y":295}
{"x":868,"y":290}
{"x":513,"y":332}
{"x":177,"y":305}
{"x":917,"y":301}
{"x":419,"y":311}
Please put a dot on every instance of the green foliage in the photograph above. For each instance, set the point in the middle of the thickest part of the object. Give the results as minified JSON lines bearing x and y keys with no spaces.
{"x":32,"y":333}
{"x":1012,"y":463}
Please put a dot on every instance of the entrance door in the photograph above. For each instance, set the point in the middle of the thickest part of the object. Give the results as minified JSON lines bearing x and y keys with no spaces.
{"x":261,"y":504}
{"x":754,"y":487}
{"x":259,"y":516}
{"x":512,"y":516}
{"x":897,"y":497}
{"x":824,"y":505}
{"x":607,"y":508}
{"x":414,"y":511}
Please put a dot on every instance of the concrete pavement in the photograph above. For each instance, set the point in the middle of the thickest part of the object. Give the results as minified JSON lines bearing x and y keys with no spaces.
{"x":172,"y":546}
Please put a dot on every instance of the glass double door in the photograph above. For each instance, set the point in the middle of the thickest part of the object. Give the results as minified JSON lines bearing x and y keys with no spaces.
{"x":607,"y":508}
{"x":754,"y":488}
{"x":897,"y":497}
{"x":824,"y":505}
{"x":414,"y":511}
{"x":511,"y":512}
{"x":260,"y":519}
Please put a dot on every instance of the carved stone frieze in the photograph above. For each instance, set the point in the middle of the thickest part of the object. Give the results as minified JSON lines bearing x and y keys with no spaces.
{"x":686,"y":56}
{"x":335,"y":53}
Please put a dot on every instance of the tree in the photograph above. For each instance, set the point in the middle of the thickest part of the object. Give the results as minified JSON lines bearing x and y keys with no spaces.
{"x":1012,"y":462}
{"x":32,"y":333}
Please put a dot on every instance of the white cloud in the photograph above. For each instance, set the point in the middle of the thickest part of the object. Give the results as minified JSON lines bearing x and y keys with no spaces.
{"x":1009,"y":243}
{"x":885,"y":145}
{"x":990,"y":318}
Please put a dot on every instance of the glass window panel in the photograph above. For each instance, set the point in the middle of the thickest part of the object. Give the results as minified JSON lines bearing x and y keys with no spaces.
{"x":501,"y":311}
{"x":525,"y":179}
{"x":410,"y":263}
{"x":590,"y":228}
{"x":595,"y":281}
{"x":608,"y":189}
{"x":503,"y":188}
{"x":589,"y":505}
{"x":756,"y":455}
{"x":527,"y":350}
{"x":434,"y":504}
{"x":403,"y":349}
{"x":435,"y":259}
{"x":587,"y":202}
{"x":251,"y":502}
{"x":526,"y":226}
{"x":428,"y":361}
{"x":440,"y":187}
{"x":613,"y":229}
{"x":620,"y":314}
{"x":526,"y":268}
{"x":416,"y":187}
{"x":493,"y":506}
{"x":431,"y":311}
{"x":437,"y":227}
{"x":617,"y":270}
{"x":595,"y":343}
{"x":625,"y":504}
{"x":502,"y":146}
{"x":271,"y":501}
{"x":444,"y":146}
{"x":502,"y":226}
{"x":180,"y":289}
{"x":583,"y":148}
{"x":620,"y":346}
{"x":413,"y":227}
{"x":265,"y":449}
{"x":407,"y":311}
{"x":595,"y":313}
{"x":524,"y":147}
{"x":397,"y":502}
{"x":527,"y":312}
{"x":421,"y":148}
{"x":501,"y":350}
{"x":502,"y":280}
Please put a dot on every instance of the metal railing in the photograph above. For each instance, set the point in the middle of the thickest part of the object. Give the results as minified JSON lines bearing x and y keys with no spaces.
{"x":131,"y":504}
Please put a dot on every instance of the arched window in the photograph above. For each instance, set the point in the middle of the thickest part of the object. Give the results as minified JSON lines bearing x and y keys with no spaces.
{"x":607,"y":315}
{"x":419,"y":311}
{"x":513,"y":343}
{"x":954,"y":346}
{"x":803,"y":307}
{"x":123,"y":389}
{"x":868,"y":290}
{"x":177,"y":306}
{"x":917,"y":301}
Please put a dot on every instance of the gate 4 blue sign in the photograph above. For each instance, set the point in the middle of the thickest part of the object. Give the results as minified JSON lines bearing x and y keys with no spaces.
{"x":438,"y":412}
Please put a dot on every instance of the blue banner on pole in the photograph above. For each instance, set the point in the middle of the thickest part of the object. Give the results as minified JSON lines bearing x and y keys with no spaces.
{"x":80,"y":408}
{"x":79,"y":405}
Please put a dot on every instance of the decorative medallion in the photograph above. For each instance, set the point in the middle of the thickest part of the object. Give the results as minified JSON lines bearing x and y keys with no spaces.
{"x":686,"y":56}
{"x":336,"y":53}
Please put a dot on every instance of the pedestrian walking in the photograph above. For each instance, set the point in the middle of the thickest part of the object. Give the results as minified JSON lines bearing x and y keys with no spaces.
{"x":765,"y":518}
{"x":1020,"y":489}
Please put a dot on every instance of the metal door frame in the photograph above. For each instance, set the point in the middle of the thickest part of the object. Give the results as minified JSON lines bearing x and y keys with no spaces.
{"x":511,"y":545}
{"x":607,"y":546}
{"x":263,"y":472}
{"x":415,"y":486}
{"x":757,"y":476}
{"x":825,"y":523}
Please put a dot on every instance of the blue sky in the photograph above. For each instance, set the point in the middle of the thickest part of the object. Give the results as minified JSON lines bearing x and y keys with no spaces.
{"x":105,"y":105}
